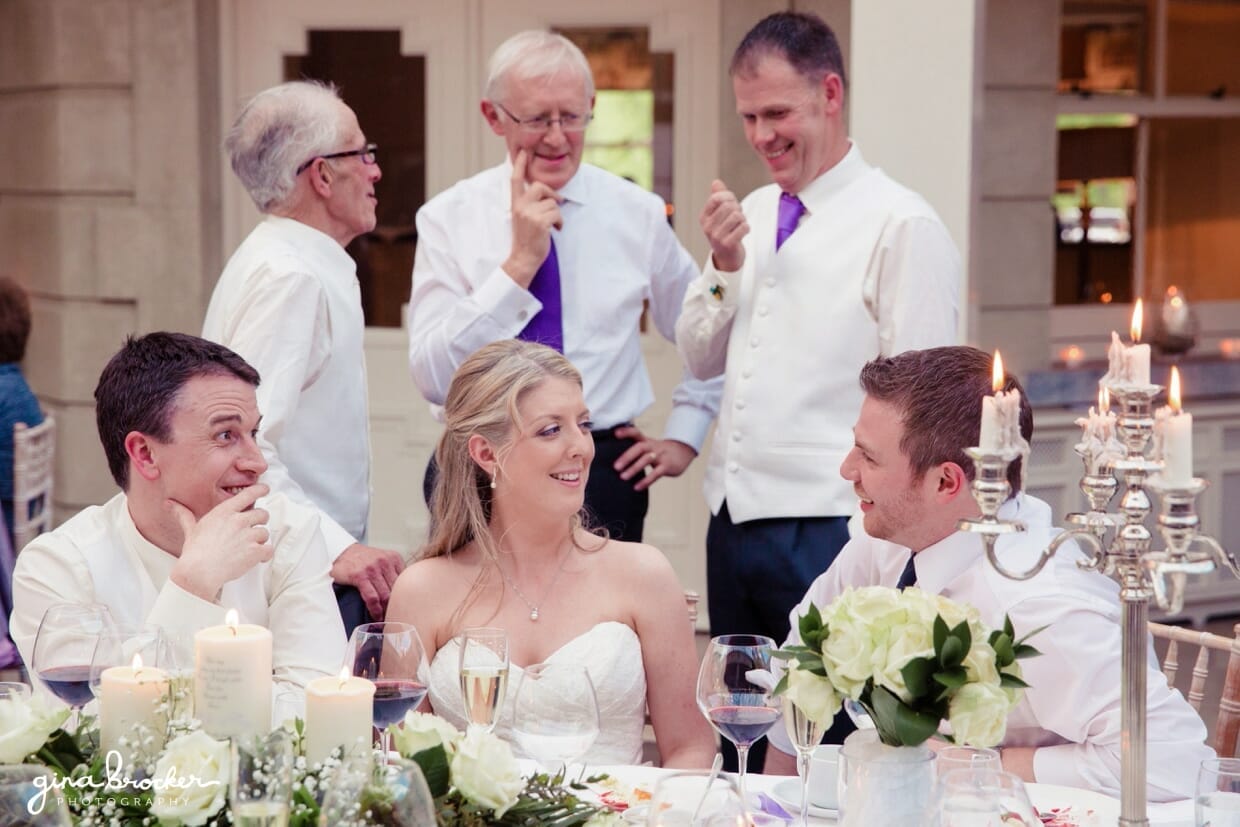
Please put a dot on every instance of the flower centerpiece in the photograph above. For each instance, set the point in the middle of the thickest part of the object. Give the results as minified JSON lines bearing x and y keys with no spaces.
{"x":473,"y":777}
{"x":914,"y":661}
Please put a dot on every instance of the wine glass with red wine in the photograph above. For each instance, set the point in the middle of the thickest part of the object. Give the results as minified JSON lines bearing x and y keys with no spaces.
{"x":389,"y":654}
{"x":64,"y":646}
{"x":734,"y":691}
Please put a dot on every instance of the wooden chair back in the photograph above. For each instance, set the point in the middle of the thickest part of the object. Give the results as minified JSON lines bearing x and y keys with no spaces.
{"x":34,"y":450}
{"x":1227,"y":725}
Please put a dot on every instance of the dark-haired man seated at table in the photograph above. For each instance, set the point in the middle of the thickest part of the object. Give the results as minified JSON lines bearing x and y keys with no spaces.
{"x":185,"y":541}
{"x":908,"y":468}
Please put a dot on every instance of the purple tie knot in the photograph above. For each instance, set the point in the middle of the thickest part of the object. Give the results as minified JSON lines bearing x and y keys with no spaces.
{"x":790,"y":211}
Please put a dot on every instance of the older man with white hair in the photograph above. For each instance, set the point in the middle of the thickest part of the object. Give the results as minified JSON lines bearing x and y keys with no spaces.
{"x":289,"y":303}
{"x":548,"y":249}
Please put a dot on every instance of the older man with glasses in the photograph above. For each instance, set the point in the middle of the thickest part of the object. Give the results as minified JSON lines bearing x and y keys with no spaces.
{"x":288,"y":302}
{"x":548,"y":249}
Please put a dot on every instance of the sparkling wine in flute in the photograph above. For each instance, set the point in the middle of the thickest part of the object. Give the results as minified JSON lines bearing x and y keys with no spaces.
{"x":483,"y":689}
{"x":742,"y":725}
{"x":805,"y":734}
{"x":260,"y":814}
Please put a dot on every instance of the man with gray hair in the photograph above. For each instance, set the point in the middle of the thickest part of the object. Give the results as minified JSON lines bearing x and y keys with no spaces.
{"x":288,"y":302}
{"x":548,"y":249}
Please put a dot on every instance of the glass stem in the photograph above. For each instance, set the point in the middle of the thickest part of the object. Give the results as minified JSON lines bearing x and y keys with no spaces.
{"x":385,"y":743}
{"x":803,"y":756}
{"x":742,"y":764}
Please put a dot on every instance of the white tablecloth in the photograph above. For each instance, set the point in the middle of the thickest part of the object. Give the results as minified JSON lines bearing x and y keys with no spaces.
{"x":1091,"y":809}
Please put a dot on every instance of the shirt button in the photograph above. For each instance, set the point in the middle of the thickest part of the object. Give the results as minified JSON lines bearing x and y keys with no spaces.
{"x":746,"y":373}
{"x":770,"y":282}
{"x":522,"y":315}
{"x":733,"y":467}
{"x":736,"y":437}
{"x":762,"y":311}
{"x":740,"y":404}
{"x":754,"y":341}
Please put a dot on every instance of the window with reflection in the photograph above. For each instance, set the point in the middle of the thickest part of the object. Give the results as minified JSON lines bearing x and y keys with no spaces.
{"x":372,"y":74}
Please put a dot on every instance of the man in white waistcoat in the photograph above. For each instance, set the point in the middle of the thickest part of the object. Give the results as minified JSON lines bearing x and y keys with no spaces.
{"x":185,"y":541}
{"x":289,"y":303}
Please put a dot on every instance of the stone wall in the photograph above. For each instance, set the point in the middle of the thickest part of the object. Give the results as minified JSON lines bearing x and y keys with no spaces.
{"x":104,"y":214}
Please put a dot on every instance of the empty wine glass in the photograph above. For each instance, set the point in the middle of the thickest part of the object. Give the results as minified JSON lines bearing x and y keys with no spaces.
{"x":734,"y":691}
{"x":805,"y":735}
{"x":395,"y":794}
{"x":63,"y":648}
{"x":978,"y":798}
{"x":146,"y":649}
{"x":1218,"y":793}
{"x":484,"y":674}
{"x":389,"y":654}
{"x":29,"y":799}
{"x":966,"y":758}
{"x":14,"y":691}
{"x":555,"y":713}
{"x":695,"y":799}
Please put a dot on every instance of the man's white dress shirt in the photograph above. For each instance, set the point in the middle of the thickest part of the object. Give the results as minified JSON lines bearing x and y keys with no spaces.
{"x":99,"y":556}
{"x":288,"y":302}
{"x":870,"y":271}
{"x":615,"y":252}
{"x":1071,"y":711}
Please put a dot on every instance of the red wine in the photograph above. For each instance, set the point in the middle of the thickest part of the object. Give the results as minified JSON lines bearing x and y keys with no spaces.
{"x":69,"y":683}
{"x":393,"y":698}
{"x":743,"y":724}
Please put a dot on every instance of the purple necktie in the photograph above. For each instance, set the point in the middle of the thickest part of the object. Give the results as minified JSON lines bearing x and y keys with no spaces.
{"x":790,"y":211}
{"x":547,"y":326}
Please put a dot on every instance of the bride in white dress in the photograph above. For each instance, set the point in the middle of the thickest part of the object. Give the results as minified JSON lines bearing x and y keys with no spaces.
{"x":508,"y":550}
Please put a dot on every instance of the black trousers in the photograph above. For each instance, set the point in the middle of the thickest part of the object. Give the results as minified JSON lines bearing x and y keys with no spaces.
{"x":611,"y":502}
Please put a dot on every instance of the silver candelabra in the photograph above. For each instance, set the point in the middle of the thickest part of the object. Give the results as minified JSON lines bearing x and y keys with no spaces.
{"x":1120,"y":546}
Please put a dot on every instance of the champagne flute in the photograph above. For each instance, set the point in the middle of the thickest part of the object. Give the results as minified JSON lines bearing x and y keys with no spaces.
{"x":555,"y":713}
{"x":63,"y":648}
{"x":805,"y":735}
{"x":261,"y":791}
{"x":389,"y":654}
{"x":484,"y":674}
{"x":734,"y":691}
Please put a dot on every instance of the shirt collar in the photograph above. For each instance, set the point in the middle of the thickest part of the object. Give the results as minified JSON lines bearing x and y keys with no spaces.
{"x":822,"y":189}
{"x":314,"y":241}
{"x":939,"y":564}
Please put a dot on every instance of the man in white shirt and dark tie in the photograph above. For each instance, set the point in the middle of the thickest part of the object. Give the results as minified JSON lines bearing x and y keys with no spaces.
{"x":546,"y":248}
{"x":811,"y":276}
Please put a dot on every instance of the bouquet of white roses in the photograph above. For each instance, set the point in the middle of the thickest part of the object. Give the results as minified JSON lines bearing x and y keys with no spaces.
{"x":912,"y":660}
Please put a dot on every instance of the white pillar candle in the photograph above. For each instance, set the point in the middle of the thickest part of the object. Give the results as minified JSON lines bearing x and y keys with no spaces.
{"x":991,"y":439}
{"x":1175,"y":430}
{"x":131,"y":705}
{"x":1138,"y":355}
{"x":339,"y":712}
{"x":232,"y":679}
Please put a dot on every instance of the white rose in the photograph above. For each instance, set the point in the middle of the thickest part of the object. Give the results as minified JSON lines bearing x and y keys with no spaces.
{"x":861,"y":624}
{"x":978,"y":714}
{"x":914,"y":640}
{"x":485,"y":772}
{"x":812,"y":694}
{"x":25,"y":724}
{"x":422,"y":731}
{"x":195,"y":770}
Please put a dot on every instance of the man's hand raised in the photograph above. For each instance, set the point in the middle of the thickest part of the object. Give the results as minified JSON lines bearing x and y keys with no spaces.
{"x":535,"y":210}
{"x":725,"y":226}
{"x":372,"y":571}
{"x":228,"y":541}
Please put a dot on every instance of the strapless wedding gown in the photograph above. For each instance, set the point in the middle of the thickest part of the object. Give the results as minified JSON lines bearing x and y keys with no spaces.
{"x":611,"y":653}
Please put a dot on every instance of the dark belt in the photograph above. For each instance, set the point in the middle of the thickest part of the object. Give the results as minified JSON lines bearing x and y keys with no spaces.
{"x":609,"y":434}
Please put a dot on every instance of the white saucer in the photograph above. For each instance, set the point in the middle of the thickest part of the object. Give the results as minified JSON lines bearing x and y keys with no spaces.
{"x":788,"y":794}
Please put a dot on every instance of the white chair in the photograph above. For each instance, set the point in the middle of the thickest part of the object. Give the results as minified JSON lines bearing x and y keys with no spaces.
{"x":1227,"y":725}
{"x":33,"y":452}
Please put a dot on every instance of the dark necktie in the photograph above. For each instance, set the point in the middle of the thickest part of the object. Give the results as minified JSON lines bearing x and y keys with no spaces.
{"x":908,"y":577}
{"x":790,"y":211}
{"x":547,"y":326}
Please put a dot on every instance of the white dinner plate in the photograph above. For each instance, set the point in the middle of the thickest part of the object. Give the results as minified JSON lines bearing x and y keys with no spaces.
{"x":1080,"y":808}
{"x":788,"y":794}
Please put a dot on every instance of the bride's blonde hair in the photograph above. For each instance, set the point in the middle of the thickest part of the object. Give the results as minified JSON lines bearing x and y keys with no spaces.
{"x":484,"y":399}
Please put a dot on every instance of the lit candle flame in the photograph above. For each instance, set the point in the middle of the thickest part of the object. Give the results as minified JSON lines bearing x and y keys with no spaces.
{"x":997,"y":377}
{"x":344,"y":676}
{"x":1173,"y":291}
{"x":1137,"y":316}
{"x":137,"y":662}
{"x":1104,"y":400}
{"x":232,"y":620}
{"x":1173,"y":392}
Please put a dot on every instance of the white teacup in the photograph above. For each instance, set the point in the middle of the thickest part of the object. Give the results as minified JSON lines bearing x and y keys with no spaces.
{"x":824,"y":770}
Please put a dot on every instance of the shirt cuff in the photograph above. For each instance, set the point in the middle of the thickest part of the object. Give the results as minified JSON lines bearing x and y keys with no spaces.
{"x":335,"y":538}
{"x":689,"y":425}
{"x":717,"y":284}
{"x":1057,"y":765}
{"x":506,"y":302}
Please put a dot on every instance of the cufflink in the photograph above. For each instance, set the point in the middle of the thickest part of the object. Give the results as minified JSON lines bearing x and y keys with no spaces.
{"x":716,"y":290}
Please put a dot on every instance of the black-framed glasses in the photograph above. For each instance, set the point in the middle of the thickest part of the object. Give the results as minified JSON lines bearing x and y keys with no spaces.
{"x":366,"y":153}
{"x":568,"y":121}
